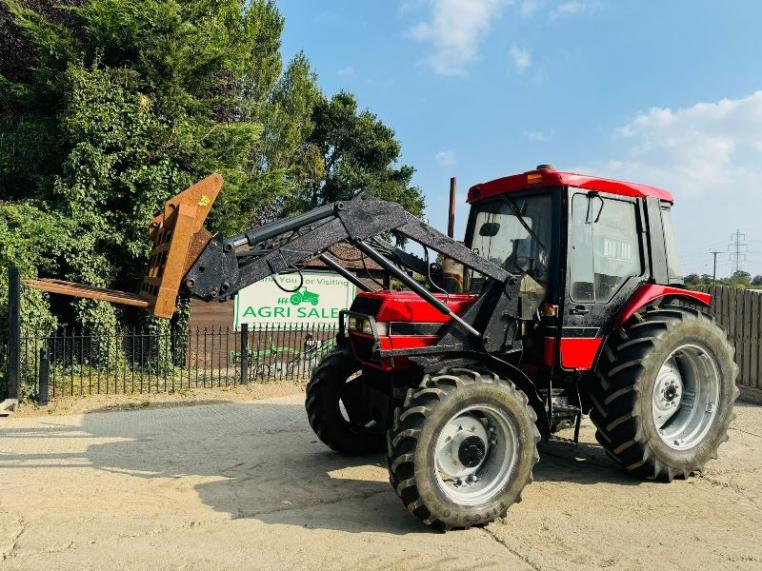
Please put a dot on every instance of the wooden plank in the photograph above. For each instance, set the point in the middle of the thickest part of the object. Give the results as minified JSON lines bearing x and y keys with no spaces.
{"x":738,"y":333}
{"x":754,"y":340}
{"x":715,"y":307}
{"x":726,"y":311}
{"x":758,"y":322}
{"x":746,"y":339}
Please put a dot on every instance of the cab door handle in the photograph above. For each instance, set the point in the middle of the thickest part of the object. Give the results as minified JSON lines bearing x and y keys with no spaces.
{"x":579,"y":310}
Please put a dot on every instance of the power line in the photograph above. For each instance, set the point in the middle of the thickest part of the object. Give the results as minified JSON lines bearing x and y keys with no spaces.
{"x":738,"y":248}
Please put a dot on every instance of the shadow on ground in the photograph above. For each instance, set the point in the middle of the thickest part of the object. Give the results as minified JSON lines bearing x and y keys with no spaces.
{"x":261,"y":460}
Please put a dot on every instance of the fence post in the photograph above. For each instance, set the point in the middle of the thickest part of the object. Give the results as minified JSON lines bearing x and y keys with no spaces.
{"x":44,"y":396}
{"x":244,"y":353}
{"x":14,"y":341}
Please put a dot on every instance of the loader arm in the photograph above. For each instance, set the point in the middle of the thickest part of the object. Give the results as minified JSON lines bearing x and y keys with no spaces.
{"x":227,"y":265}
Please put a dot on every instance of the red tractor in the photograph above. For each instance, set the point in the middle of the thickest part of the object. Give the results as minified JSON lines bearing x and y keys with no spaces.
{"x":566,"y":298}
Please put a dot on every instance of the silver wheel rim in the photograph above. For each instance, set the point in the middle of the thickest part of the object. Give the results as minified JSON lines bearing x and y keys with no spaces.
{"x":476,"y":453}
{"x":686,"y":395}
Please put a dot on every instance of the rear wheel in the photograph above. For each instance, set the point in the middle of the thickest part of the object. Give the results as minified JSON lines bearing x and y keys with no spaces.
{"x":462,"y":448}
{"x":335,"y":406}
{"x":664,"y":394}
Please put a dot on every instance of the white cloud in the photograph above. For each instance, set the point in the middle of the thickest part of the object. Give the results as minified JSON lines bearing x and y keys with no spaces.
{"x":520,"y":58}
{"x":529,"y":7}
{"x":699,"y":149}
{"x":539,"y":136}
{"x":445,"y":158}
{"x":708,"y":156}
{"x":574,"y":7}
{"x":345,"y":71}
{"x":454,"y":29}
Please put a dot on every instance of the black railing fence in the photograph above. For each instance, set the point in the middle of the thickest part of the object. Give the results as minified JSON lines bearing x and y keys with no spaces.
{"x":75,"y":363}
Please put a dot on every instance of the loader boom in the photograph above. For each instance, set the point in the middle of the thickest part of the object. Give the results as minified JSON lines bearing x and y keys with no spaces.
{"x":227,"y":265}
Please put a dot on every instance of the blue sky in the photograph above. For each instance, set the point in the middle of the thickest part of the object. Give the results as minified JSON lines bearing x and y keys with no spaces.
{"x":663,"y":93}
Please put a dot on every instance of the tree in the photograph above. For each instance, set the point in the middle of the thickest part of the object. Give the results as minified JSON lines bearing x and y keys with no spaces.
{"x":30,"y":239}
{"x":358,"y":153}
{"x":757,"y":281}
{"x":740,"y":279}
{"x":109,"y":107}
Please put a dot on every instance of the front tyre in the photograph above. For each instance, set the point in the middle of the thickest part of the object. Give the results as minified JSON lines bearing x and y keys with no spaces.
{"x":663,"y":396}
{"x":462,"y":448}
{"x":335,"y":406}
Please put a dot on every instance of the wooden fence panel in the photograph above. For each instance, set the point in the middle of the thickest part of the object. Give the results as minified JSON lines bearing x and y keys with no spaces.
{"x":754,"y":341}
{"x":739,"y":313}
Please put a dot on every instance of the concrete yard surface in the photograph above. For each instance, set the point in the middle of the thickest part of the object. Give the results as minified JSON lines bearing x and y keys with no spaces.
{"x":248,"y":486}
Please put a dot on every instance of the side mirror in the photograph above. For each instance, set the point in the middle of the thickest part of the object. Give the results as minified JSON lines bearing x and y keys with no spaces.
{"x":594,"y":215}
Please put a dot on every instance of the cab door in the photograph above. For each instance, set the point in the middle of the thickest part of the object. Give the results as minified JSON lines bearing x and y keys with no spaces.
{"x":604,"y":267}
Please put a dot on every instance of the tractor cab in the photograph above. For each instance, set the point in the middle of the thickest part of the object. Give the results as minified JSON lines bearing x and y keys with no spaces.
{"x":583,"y":246}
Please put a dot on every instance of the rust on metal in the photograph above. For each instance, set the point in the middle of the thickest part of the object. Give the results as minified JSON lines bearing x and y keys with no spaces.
{"x":89,"y":292}
{"x":178,"y":236}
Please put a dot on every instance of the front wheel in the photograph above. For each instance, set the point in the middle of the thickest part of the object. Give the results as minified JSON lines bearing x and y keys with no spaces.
{"x":462,"y":448}
{"x":335,"y":407}
{"x":663,"y":398}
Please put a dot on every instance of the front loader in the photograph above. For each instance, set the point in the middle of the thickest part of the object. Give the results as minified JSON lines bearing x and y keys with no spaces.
{"x":565,"y":299}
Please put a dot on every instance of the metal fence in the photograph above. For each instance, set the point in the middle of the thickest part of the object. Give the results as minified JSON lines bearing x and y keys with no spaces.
{"x":739,"y":312}
{"x":76,"y":363}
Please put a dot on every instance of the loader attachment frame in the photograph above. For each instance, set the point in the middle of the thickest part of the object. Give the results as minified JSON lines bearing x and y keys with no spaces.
{"x":178,"y":236}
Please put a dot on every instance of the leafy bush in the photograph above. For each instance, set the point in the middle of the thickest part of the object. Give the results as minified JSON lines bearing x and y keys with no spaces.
{"x":109,"y":107}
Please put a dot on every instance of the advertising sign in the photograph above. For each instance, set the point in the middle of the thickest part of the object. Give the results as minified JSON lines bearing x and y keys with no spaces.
{"x":317,"y":301}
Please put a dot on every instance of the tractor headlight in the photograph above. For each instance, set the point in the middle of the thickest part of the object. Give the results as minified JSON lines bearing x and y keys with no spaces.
{"x":364,"y":326}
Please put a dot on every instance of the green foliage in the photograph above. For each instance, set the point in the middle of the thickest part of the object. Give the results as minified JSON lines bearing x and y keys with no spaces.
{"x":109,"y":107}
{"x":739,"y":280}
{"x":358,"y":154}
{"x":30,"y":239}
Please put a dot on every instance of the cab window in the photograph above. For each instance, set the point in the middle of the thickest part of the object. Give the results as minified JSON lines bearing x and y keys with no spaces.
{"x":603,"y":247}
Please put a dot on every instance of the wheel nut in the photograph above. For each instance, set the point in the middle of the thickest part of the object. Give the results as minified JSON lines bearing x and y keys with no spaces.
{"x":471,"y":479}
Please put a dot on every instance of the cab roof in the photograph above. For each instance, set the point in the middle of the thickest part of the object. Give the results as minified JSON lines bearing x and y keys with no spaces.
{"x":544,"y":177}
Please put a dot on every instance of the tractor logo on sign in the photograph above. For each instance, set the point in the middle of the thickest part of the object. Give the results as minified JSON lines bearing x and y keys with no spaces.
{"x":304,"y":296}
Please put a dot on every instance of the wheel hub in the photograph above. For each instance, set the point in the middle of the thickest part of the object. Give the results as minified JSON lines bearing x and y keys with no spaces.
{"x":475,"y":454}
{"x":668,"y":392}
{"x":464,"y":445}
{"x":685,"y":396}
{"x":471,"y":451}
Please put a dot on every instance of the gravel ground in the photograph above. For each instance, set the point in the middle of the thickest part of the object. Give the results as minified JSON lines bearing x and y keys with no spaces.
{"x":246,"y":485}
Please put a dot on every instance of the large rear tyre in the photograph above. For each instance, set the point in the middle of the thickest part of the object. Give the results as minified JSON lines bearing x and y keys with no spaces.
{"x":663,"y":395}
{"x":462,"y":448}
{"x":335,"y":407}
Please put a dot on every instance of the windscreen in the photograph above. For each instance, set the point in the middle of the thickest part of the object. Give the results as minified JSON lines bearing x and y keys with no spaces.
{"x":514,"y":233}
